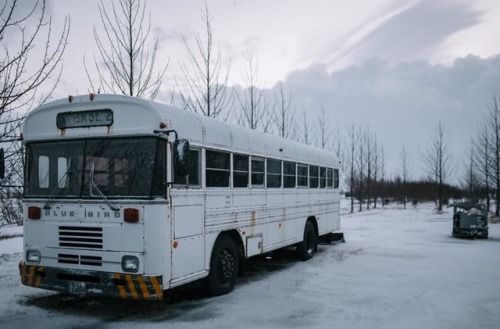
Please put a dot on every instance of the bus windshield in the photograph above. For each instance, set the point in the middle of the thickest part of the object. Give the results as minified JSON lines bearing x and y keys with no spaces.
{"x":115,"y":167}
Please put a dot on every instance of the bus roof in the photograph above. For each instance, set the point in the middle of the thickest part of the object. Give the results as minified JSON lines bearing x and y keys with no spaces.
{"x":132,"y":116}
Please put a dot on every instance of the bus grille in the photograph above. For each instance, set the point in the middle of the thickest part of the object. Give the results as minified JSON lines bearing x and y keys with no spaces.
{"x":80,"y":237}
{"x":82,"y":260}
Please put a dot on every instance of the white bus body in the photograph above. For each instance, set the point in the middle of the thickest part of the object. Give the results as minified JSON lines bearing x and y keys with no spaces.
{"x":105,"y":212}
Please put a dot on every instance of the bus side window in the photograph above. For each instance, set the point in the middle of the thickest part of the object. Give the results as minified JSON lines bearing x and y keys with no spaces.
{"x":240,"y":170}
{"x":193,"y":171}
{"x":217,"y":168}
{"x":273,"y":173}
{"x":302,"y":175}
{"x":289,"y":172}
{"x":322,"y":177}
{"x":194,"y":167}
{"x":257,"y":172}
{"x":313,"y":176}
{"x":329,"y":179}
{"x":181,"y":157}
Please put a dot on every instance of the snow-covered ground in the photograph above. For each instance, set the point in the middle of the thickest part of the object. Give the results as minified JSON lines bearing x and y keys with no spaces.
{"x":399,"y":268}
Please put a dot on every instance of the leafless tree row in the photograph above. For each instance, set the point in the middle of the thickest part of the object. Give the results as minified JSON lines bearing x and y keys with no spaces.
{"x":252,"y":102}
{"x":482,"y":174}
{"x":365,"y":159}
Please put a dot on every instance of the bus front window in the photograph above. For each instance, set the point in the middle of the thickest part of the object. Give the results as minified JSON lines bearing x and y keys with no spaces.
{"x":120,"y":167}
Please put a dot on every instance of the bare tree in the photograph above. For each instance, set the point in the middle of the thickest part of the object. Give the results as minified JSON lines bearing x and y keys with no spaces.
{"x":353,"y":146}
{"x":437,"y":159}
{"x":205,"y":79}
{"x":306,"y":129}
{"x":20,"y":81}
{"x":483,"y":157}
{"x":378,"y":165}
{"x":381,"y":165}
{"x":471,"y":173}
{"x":339,"y":149}
{"x":370,"y":143}
{"x":338,"y":146}
{"x":284,"y":116}
{"x":127,"y":64}
{"x":25,"y":68}
{"x":493,"y":126}
{"x":369,"y":159}
{"x":252,"y":102}
{"x":361,"y":166}
{"x":324,"y":132}
{"x":404,"y":174}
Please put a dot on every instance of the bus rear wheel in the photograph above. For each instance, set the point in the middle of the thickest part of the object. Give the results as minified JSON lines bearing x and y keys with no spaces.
{"x":306,"y":248}
{"x":223,"y":267}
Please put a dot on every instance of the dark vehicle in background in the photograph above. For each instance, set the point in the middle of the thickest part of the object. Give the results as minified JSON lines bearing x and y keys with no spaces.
{"x":470,"y":221}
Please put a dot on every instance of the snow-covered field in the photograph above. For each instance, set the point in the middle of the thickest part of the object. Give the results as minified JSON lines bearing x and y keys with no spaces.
{"x":400,"y":268}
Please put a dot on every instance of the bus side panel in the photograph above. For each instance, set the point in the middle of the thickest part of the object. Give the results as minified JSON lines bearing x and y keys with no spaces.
{"x":156,"y":241}
{"x":188,"y":242}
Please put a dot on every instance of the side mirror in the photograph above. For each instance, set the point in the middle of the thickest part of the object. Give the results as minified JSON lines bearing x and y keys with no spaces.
{"x":2,"y":164}
{"x":181,"y":157}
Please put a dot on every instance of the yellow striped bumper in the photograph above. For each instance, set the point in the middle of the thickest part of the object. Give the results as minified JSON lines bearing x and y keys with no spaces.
{"x":83,"y":282}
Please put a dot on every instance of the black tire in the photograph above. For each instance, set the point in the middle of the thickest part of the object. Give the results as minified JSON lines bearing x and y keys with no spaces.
{"x":224,"y":264}
{"x":308,"y":246}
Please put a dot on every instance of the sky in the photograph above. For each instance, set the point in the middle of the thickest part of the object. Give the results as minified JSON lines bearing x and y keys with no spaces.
{"x":290,"y":35}
{"x":397,"y":66}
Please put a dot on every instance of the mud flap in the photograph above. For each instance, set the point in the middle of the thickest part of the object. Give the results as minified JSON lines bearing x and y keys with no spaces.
{"x":332,"y":238}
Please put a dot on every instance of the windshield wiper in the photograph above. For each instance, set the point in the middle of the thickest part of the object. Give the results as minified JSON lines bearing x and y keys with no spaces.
{"x":59,"y":186}
{"x":93,"y":185}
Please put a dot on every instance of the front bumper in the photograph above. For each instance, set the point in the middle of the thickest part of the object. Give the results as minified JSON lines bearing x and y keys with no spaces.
{"x":82,"y":282}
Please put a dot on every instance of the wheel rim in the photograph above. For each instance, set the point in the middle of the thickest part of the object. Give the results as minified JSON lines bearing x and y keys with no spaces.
{"x":226,"y":266}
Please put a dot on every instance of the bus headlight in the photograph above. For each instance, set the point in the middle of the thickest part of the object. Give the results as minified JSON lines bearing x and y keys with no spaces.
{"x":130,"y":264}
{"x":33,"y":256}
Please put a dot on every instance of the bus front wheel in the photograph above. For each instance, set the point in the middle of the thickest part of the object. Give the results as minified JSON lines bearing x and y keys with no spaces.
{"x":309,"y":245}
{"x":223,"y":267}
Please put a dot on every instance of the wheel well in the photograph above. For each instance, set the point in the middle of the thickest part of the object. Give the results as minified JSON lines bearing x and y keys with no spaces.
{"x":235,"y":236}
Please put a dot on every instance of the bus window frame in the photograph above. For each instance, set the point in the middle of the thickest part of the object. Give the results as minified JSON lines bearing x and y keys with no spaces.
{"x":288,"y":175}
{"x":263,"y":173}
{"x":311,"y":177}
{"x":306,"y":176}
{"x":279,"y":164}
{"x":221,"y":170}
{"x":191,"y":166}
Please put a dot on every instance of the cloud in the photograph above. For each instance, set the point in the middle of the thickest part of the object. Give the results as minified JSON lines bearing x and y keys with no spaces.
{"x":402,"y":103}
{"x":412,"y":34}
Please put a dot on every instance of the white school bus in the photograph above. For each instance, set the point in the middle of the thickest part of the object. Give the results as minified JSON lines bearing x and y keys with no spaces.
{"x":126,"y":197}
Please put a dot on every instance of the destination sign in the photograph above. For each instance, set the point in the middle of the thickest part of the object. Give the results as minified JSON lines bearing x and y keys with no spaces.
{"x":85,"y":119}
